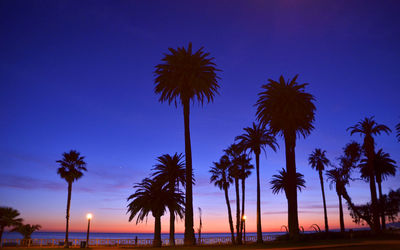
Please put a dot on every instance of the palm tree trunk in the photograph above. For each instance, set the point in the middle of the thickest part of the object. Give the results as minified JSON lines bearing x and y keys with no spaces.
{"x":171,"y":226}
{"x":189,"y":238}
{"x":355,"y":209}
{"x":229,"y":215}
{"x":66,"y":244}
{"x":243,"y":197}
{"x":259,"y":232}
{"x":238,"y":238}
{"x":157,"y":231}
{"x":341,"y":214}
{"x":293,"y":222}
{"x":1,"y":235}
{"x":321,"y":178}
{"x":374,"y":200}
{"x":382,"y":206}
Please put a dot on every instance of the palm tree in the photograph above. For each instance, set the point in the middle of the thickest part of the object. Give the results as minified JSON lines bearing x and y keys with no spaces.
{"x":398,"y":131}
{"x":368,"y":128}
{"x":221,"y":179}
{"x":170,"y":171}
{"x":71,"y":169}
{"x":384,"y":166}
{"x":244,"y":172}
{"x":289,"y":112}
{"x":280,"y":182}
{"x":26,"y":231}
{"x":233,"y":152}
{"x":8,"y":218}
{"x":340,"y":178}
{"x":152,"y":196}
{"x":318,"y":161}
{"x":255,"y":139}
{"x":183,"y":77}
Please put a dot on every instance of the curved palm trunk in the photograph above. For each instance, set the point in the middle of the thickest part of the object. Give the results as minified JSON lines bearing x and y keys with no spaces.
{"x":382,"y":206}
{"x":157,"y":231}
{"x":259,"y":232}
{"x":243,"y":197}
{"x":341,"y":214}
{"x":374,"y":200}
{"x":293,"y":222}
{"x":354,"y":208}
{"x":321,"y":179}
{"x":238,"y":235}
{"x":171,"y":227}
{"x":189,"y":238}
{"x":229,"y":215}
{"x":66,"y":244}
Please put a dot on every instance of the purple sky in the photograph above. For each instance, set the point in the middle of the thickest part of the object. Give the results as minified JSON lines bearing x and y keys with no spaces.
{"x":79,"y":75}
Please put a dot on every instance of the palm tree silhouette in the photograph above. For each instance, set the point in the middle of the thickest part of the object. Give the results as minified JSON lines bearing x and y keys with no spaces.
{"x":233,"y":152}
{"x":170,"y":171}
{"x":338,"y":177}
{"x":383,"y":167}
{"x":280,"y":182}
{"x":221,"y":179}
{"x":26,"y":231}
{"x":255,"y":139}
{"x":289,"y":112}
{"x":186,"y":76}
{"x":152,"y":196}
{"x":244,"y":172}
{"x":71,"y":169}
{"x":318,"y":161}
{"x":398,"y":131}
{"x":8,"y":218}
{"x":368,"y":128}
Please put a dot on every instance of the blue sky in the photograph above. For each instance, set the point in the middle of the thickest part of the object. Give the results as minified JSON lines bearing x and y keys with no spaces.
{"x":79,"y":75}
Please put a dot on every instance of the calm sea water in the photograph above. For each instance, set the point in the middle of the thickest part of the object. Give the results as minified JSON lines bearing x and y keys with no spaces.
{"x":72,"y":235}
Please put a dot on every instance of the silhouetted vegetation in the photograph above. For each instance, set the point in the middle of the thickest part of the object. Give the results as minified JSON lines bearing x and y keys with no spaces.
{"x":26,"y":230}
{"x":280,"y":182}
{"x":184,"y":76}
{"x":71,"y":169}
{"x":289,"y":112}
{"x":8,"y":218}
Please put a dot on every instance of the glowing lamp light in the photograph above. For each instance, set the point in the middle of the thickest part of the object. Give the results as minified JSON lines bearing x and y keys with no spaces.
{"x":89,"y":216}
{"x":244,"y":217}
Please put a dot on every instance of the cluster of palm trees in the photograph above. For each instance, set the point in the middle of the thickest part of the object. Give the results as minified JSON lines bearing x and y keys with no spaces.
{"x":159,"y":192}
{"x":9,"y":217}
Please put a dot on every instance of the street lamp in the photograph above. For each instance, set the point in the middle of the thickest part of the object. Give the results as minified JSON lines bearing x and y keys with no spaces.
{"x":89,"y":217}
{"x":244,"y":228}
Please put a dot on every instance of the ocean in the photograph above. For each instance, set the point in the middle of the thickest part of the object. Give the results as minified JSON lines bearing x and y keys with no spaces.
{"x":76,"y":235}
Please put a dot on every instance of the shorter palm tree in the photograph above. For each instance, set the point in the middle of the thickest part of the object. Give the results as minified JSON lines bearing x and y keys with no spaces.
{"x":318,"y":161}
{"x":244,"y":172}
{"x":221,"y":179}
{"x":8,"y":218}
{"x":26,"y":231}
{"x":151,"y":196}
{"x":384,"y":166}
{"x":340,"y":178}
{"x":279,"y":182}
{"x":170,"y":171}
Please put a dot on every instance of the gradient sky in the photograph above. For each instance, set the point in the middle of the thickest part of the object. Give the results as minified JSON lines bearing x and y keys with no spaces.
{"x":79,"y":75}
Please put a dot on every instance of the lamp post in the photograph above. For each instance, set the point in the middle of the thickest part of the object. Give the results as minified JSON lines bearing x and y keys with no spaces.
{"x":89,"y":217}
{"x":244,"y":228}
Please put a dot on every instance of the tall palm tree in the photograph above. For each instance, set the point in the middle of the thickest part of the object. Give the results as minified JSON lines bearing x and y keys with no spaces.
{"x":289,"y":112}
{"x":339,"y":178}
{"x":280,"y":182}
{"x":384,"y":166}
{"x":244,"y":172}
{"x":170,"y":171}
{"x":233,"y":152}
{"x":221,"y":179}
{"x":368,"y":128}
{"x":185,"y":76}
{"x":398,"y":131}
{"x":318,"y":161}
{"x":255,"y":139}
{"x":8,"y":218}
{"x":152,"y":196}
{"x":71,"y":169}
